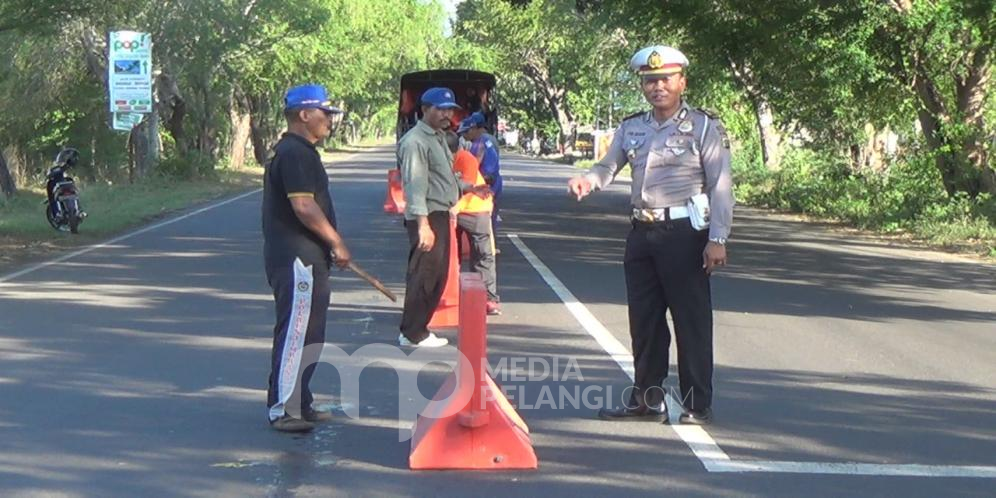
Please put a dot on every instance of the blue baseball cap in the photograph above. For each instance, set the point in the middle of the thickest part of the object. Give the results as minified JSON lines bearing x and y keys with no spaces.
{"x":309,"y":97}
{"x":439,"y":97}
{"x":475,"y":120}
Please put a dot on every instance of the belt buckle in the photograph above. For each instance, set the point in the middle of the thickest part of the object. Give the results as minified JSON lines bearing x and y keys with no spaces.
{"x":650,"y":215}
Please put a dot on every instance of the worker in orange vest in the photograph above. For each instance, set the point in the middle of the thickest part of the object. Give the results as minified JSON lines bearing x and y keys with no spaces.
{"x":473,"y":214}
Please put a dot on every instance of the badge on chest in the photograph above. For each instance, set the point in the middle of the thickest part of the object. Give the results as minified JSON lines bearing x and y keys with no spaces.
{"x":633,"y":146}
{"x":679,"y":145}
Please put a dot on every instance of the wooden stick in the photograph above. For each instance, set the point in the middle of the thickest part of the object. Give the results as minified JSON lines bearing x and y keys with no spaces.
{"x":372,"y":281}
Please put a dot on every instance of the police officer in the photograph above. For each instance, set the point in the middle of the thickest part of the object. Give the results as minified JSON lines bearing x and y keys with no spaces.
{"x":677,"y":153}
{"x":300,"y":243}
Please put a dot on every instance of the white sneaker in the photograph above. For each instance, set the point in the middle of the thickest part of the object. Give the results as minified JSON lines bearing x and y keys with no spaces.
{"x":432,"y":341}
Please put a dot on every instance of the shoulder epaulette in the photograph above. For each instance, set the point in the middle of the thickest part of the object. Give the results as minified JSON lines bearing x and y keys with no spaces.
{"x":708,"y":112}
{"x":634,"y":115}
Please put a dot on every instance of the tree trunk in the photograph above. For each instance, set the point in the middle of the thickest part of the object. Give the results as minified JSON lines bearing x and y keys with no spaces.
{"x":555,"y":99}
{"x":207,"y":135}
{"x":933,"y":113}
{"x":7,"y":185}
{"x":94,"y":53}
{"x":771,"y":139}
{"x":872,"y":153}
{"x":764,"y":117}
{"x":854,"y":154}
{"x":970,"y":95}
{"x":935,"y":142}
{"x":172,"y":108}
{"x":241,"y":130}
{"x":959,"y":155}
{"x":143,"y":147}
{"x":262,"y":127}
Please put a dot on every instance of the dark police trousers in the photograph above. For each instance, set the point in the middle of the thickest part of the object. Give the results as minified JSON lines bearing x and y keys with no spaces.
{"x":426,"y":276}
{"x":663,"y":266}
{"x":302,"y":301}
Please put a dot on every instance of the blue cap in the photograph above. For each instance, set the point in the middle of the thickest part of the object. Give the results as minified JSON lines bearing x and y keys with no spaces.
{"x":308,"y":97}
{"x":475,"y":120}
{"x":439,"y":97}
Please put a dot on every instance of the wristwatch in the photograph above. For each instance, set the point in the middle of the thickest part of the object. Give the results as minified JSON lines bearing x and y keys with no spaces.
{"x":718,"y":240}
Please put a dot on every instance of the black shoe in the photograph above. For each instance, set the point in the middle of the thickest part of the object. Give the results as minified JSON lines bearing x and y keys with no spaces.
{"x":696,"y":417}
{"x":636,"y":414}
{"x":315,"y":416}
{"x":287,"y":423}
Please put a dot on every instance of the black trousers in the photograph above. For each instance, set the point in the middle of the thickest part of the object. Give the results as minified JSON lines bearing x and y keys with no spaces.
{"x":482,"y":256}
{"x":302,"y":301}
{"x":426,"y":276}
{"x":663,"y":266}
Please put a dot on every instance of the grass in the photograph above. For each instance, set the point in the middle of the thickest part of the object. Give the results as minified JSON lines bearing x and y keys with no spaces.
{"x":112,"y":208}
{"x":957,"y":225}
{"x":967,"y":235}
{"x":25,"y":234}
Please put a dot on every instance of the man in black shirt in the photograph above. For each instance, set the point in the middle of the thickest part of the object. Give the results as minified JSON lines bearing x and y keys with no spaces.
{"x":300,"y":243}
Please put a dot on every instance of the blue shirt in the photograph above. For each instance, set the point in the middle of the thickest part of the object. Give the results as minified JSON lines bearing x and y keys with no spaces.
{"x":490,"y":166}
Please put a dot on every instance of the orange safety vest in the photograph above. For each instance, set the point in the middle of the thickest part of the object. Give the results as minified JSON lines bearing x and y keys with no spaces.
{"x":467,"y":166}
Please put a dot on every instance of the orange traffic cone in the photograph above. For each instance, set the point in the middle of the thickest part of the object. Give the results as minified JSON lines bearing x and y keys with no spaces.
{"x":484,"y":432}
{"x":395,"y":201}
{"x":447,"y":313}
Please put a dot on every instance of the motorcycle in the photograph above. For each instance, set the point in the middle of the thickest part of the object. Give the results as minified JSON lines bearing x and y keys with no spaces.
{"x":62,"y":207}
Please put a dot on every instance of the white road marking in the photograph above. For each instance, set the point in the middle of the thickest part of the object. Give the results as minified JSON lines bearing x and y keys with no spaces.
{"x":140,"y":231}
{"x":858,"y":469}
{"x":713,"y":458}
{"x":697,"y":439}
{"x":115,"y":240}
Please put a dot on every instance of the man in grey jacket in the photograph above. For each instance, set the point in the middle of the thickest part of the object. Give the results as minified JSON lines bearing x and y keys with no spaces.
{"x":431,"y":190}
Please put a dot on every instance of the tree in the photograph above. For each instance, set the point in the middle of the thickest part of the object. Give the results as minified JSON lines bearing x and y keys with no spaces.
{"x":943,"y":50}
{"x":549,"y":43}
{"x":17,"y":15}
{"x":829,"y":69}
{"x":7,"y":185}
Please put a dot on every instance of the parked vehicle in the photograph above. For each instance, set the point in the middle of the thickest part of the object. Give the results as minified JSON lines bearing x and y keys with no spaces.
{"x":474,"y":91}
{"x":62,"y":206}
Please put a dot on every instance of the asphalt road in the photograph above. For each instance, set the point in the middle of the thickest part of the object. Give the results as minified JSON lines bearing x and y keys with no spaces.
{"x":138,"y":368}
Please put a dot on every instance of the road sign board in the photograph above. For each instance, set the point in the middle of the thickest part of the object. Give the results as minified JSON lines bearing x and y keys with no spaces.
{"x":129,"y":77}
{"x":125,"y":121}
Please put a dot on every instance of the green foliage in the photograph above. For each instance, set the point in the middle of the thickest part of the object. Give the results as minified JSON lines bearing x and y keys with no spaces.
{"x":190,"y":165}
{"x":827,"y":70}
{"x":222,"y":54}
{"x":550,"y":59}
{"x":113,"y":207}
{"x":908,"y":197}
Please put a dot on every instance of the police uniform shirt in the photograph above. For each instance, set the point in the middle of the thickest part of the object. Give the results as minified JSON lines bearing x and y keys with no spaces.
{"x":672,"y":161}
{"x":296,"y":170}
